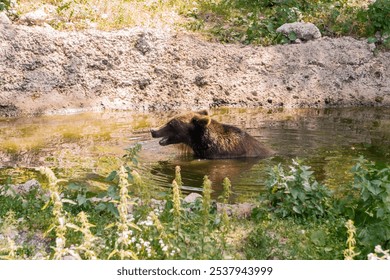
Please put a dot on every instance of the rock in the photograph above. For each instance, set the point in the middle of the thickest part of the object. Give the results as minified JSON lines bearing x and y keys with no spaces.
{"x":192,"y":197}
{"x":4,"y":19}
{"x":23,"y":188}
{"x":200,"y":81}
{"x":239,"y":210}
{"x":8,"y":110}
{"x":142,"y":45}
{"x":39,"y":16}
{"x":244,"y":209}
{"x":304,"y":31}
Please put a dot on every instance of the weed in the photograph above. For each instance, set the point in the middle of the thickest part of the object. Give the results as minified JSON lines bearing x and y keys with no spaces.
{"x":5,"y":4}
{"x":350,"y":253}
{"x":296,"y":193}
{"x":376,"y":22}
{"x":371,"y":209}
{"x":124,"y":241}
{"x":8,"y":248}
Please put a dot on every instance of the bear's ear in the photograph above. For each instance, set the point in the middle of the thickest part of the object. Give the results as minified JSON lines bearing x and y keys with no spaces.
{"x":203,"y":112}
{"x":201,"y":121}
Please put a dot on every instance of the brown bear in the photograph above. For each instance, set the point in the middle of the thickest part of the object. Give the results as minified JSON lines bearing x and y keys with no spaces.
{"x":208,"y":138}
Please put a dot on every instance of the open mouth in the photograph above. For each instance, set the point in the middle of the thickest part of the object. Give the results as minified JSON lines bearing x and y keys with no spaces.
{"x":164,"y":141}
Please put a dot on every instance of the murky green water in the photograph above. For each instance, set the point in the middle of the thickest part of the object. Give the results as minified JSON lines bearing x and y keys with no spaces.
{"x":87,"y":147}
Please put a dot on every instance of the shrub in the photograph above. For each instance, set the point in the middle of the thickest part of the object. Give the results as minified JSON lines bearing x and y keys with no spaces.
{"x":296,"y":193}
{"x":376,"y":22}
{"x":372,"y":207}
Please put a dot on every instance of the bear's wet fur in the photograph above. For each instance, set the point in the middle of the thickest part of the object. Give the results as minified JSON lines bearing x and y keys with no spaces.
{"x":208,"y":138}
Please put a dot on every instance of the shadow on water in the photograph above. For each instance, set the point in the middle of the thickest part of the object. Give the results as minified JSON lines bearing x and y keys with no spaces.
{"x":87,"y":147}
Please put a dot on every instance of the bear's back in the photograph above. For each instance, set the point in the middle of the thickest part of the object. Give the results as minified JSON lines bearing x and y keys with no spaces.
{"x":227,"y":141}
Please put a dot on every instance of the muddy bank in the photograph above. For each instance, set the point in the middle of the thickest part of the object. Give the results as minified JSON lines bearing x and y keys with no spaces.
{"x":43,"y":71}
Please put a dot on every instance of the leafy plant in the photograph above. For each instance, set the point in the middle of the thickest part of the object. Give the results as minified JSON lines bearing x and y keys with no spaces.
{"x":350,"y":253}
{"x":4,"y":4}
{"x":376,"y":19}
{"x":378,"y":14}
{"x":296,"y":193}
{"x":372,"y":208}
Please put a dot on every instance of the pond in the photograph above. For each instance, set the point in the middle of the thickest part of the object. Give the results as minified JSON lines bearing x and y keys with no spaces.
{"x":85,"y":148}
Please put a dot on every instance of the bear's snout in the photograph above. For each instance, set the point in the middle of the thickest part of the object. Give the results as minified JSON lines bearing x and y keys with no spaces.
{"x":153,"y":132}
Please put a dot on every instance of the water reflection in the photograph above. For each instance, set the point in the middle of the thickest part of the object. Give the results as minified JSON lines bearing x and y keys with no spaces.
{"x":79,"y":146}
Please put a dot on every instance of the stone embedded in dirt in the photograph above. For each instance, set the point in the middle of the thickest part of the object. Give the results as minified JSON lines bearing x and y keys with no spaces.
{"x":8,"y":110}
{"x":200,"y":81}
{"x":26,"y":187}
{"x":304,"y":31}
{"x":192,"y":197}
{"x":39,"y":16}
{"x":239,"y":210}
{"x":4,"y":19}
{"x":142,"y":45}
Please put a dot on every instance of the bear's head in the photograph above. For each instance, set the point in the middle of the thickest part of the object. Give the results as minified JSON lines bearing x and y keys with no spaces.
{"x":181,"y":128}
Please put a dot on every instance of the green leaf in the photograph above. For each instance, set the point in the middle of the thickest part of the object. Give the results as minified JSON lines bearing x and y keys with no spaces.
{"x":297,"y":210}
{"x":81,"y":199}
{"x":292,"y":36}
{"x":302,"y":196}
{"x":371,"y":40}
{"x":74,"y":187}
{"x":294,"y":193}
{"x":100,"y":207}
{"x":374,"y":187}
{"x":380,"y":212}
{"x":112,"y":176}
{"x":112,"y":192}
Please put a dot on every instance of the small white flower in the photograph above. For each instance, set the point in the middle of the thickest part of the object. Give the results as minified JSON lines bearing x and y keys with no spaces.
{"x":372,"y":256}
{"x":378,"y":249}
{"x":59,"y":242}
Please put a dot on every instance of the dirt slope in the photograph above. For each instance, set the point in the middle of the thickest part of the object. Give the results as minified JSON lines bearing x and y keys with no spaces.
{"x":43,"y":71}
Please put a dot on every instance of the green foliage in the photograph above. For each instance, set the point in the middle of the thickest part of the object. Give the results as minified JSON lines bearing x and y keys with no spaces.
{"x":4,"y":4}
{"x":296,"y":193}
{"x":304,"y":204}
{"x":372,"y":207}
{"x":194,"y":227}
{"x":244,"y":21}
{"x":256,"y":21}
{"x":376,"y":22}
{"x":298,"y":218}
{"x":113,"y":224}
{"x":132,"y":154}
{"x":288,"y":239}
{"x":378,"y":14}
